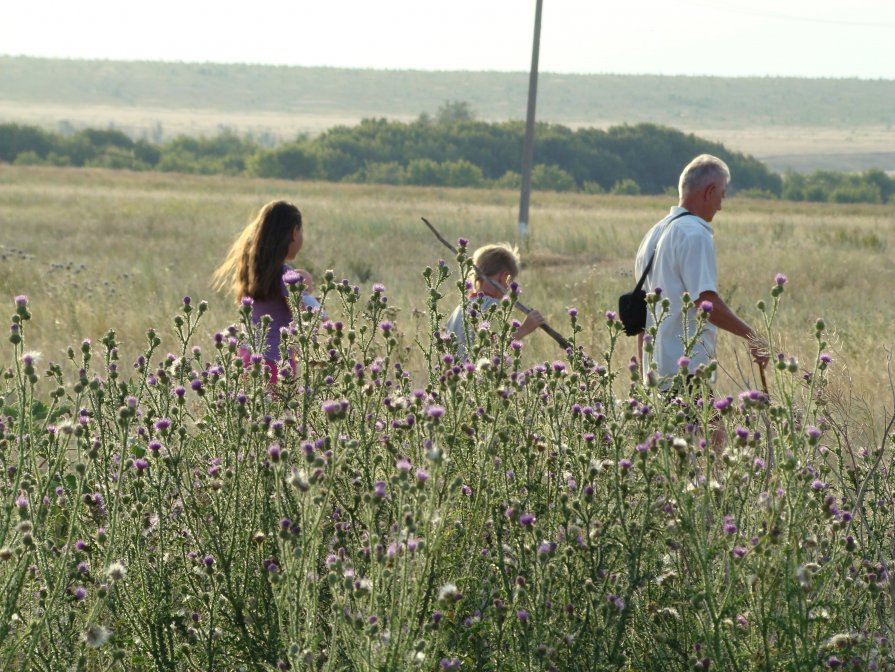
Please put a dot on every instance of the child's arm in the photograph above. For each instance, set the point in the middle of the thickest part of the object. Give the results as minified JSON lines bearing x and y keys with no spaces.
{"x":307,"y":279}
{"x":532,"y":321}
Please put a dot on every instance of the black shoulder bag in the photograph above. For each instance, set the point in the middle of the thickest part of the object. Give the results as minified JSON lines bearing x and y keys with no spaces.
{"x":632,"y":306}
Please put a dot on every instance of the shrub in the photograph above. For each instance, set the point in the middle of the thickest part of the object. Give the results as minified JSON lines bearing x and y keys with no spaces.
{"x":626,"y":187}
{"x":551,"y":178}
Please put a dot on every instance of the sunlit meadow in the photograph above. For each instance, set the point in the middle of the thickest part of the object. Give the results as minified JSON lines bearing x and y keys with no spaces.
{"x":389,"y":507}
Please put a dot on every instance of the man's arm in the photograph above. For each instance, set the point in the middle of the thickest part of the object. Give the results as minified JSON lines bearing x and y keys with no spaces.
{"x":724,"y":318}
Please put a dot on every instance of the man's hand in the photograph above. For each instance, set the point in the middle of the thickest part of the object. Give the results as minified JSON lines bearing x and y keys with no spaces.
{"x":759,"y":349}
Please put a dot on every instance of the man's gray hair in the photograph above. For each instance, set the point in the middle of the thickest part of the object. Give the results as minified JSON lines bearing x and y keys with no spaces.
{"x":701,"y":172}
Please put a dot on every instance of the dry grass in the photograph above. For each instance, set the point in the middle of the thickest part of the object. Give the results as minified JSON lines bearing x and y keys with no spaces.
{"x":101,"y":249}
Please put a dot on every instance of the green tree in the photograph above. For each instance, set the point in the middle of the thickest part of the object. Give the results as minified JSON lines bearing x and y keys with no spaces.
{"x":452,"y":111}
{"x":509,"y":180}
{"x":15,"y":138}
{"x":290,"y":162}
{"x":626,"y":187}
{"x":551,"y":178}
{"x":885,"y":183}
{"x":462,"y":174}
{"x":425,"y":172}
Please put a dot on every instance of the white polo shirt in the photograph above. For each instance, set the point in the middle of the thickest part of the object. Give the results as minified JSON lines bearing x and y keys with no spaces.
{"x":685,"y":262}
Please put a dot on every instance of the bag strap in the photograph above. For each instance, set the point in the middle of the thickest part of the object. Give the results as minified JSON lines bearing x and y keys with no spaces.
{"x":653,"y":255}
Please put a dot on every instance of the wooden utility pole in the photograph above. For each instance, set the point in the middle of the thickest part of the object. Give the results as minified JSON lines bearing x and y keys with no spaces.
{"x":528,"y":143}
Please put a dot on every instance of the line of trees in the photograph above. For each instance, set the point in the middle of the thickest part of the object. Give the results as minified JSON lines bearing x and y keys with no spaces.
{"x":450,"y":150}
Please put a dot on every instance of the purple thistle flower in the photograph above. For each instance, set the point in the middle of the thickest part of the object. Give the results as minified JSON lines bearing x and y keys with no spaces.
{"x":559,"y":366}
{"x":625,"y":464}
{"x":723,"y":404}
{"x":825,"y":358}
{"x":729,"y":525}
{"x":80,"y":593}
{"x":141,"y":464}
{"x":386,"y":326}
{"x":422,"y":475}
{"x":706,"y":307}
{"x":739,"y":552}
{"x":208,"y":561}
{"x":292,"y":277}
{"x":818,"y":484}
{"x":522,"y":615}
{"x":331,"y":407}
{"x":611,"y":315}
{"x":780,"y":279}
{"x":378,"y":288}
{"x":573,"y":312}
{"x":527,"y":519}
{"x":162,"y":424}
{"x":379,"y":489}
{"x":21,"y":301}
{"x":435,"y":411}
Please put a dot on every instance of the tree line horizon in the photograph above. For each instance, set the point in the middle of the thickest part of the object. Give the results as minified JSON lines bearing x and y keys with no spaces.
{"x":449,"y":149}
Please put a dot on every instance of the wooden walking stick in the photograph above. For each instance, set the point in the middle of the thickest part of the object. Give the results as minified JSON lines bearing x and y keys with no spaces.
{"x":764,"y":381}
{"x":555,"y":335}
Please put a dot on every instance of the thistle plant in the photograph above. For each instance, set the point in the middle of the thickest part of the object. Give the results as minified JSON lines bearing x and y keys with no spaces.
{"x":186,"y":513}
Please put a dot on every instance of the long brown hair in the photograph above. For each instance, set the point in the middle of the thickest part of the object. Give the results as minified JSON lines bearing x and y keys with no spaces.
{"x":254,"y":264}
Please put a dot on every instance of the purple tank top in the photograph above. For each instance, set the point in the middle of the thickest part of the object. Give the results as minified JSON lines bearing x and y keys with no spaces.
{"x":279,"y":311}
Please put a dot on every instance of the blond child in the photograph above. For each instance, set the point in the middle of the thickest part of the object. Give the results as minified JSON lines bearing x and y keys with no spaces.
{"x":500,"y":263}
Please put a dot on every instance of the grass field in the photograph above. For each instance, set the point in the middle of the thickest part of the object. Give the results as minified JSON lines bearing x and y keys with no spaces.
{"x":389,"y":510}
{"x":96,"y":250}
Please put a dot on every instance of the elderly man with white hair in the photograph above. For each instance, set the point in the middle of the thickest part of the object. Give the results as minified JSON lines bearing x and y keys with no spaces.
{"x":682,"y":249}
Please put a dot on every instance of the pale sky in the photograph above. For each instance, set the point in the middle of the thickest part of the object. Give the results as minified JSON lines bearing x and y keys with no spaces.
{"x":803,"y":38}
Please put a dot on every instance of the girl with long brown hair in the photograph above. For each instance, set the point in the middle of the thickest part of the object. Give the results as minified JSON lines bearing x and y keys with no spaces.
{"x":255,"y":266}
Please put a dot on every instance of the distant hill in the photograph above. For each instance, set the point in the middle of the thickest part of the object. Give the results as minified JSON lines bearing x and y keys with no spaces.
{"x":146,"y":98}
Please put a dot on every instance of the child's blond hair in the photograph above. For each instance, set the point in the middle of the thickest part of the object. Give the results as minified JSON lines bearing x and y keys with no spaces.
{"x":493,"y":259}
